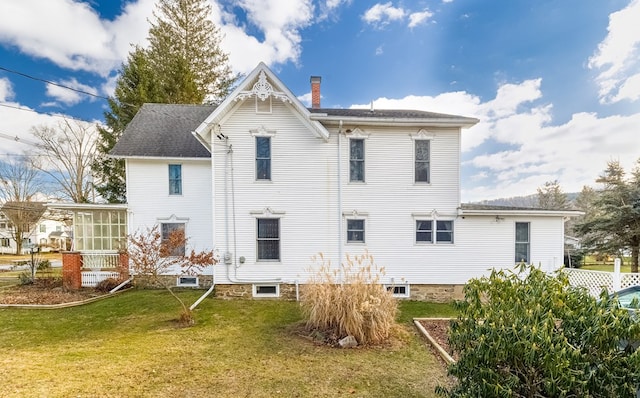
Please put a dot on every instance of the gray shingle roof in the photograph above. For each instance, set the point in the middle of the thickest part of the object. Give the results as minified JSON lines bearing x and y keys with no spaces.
{"x":164,"y":130}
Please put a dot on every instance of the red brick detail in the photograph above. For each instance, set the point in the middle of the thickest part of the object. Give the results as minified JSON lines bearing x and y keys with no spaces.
{"x":71,"y":270}
{"x":315,"y":92}
{"x":123,"y":265}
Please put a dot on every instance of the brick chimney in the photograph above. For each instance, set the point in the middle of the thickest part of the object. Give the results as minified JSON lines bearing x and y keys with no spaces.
{"x":315,"y":92}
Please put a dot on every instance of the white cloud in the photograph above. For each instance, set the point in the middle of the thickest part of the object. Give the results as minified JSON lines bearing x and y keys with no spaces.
{"x":418,"y":18}
{"x":306,"y":99}
{"x":6,"y":90}
{"x":69,"y":97}
{"x":73,"y":36}
{"x":617,"y":58}
{"x":381,"y":14}
{"x":379,"y":50}
{"x":280,"y":26}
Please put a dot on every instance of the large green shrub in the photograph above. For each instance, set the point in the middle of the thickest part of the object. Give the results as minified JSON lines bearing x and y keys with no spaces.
{"x":349,"y":300}
{"x":528,"y":334}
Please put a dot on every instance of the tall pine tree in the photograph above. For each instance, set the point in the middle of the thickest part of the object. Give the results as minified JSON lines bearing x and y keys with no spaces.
{"x":184,"y":64}
{"x":613,"y":224}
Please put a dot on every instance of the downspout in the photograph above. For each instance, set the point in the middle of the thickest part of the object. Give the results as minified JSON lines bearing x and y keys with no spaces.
{"x":340,"y":193}
{"x":204,"y":296}
{"x":120,"y":286}
{"x":213,"y":223}
{"x":233,"y":255}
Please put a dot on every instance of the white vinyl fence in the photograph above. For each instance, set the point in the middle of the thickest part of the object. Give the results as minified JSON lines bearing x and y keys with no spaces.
{"x":595,"y":281}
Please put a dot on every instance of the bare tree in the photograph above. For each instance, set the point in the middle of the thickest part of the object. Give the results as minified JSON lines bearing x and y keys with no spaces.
{"x":19,"y":185}
{"x":153,"y":256}
{"x":67,"y":151}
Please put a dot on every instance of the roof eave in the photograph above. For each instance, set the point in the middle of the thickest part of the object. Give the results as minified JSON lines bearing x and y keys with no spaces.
{"x":380,"y":121}
{"x":531,"y":212}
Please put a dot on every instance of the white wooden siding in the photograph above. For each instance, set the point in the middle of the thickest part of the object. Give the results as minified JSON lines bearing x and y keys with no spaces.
{"x":304,"y":188}
{"x":149,"y":200}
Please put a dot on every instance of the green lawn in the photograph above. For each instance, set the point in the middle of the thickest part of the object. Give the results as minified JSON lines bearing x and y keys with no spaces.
{"x":128,"y":345}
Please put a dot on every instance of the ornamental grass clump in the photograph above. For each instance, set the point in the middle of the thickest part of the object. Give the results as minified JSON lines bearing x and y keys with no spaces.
{"x":349,"y":300}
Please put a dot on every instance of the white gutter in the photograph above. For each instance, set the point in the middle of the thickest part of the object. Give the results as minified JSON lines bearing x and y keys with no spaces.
{"x":529,"y":212}
{"x":387,"y":121}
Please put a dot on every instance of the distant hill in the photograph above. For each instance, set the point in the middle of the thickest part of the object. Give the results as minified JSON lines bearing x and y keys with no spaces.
{"x":523,"y":201}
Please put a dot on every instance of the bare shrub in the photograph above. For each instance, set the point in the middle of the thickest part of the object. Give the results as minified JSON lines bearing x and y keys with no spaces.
{"x":153,"y":257}
{"x":349,"y":300}
{"x":107,"y":285}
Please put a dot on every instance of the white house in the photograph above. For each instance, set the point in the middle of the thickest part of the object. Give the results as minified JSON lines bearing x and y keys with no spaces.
{"x":48,"y":234}
{"x":270,"y":183}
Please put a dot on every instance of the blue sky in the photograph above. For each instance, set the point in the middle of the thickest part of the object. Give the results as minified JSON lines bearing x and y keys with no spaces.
{"x":555,"y":84}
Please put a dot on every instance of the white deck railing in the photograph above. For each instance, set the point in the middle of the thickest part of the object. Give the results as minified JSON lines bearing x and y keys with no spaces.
{"x":92,"y":278}
{"x":99,"y":260}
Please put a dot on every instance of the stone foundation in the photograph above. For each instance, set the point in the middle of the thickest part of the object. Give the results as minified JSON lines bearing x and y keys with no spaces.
{"x":245,"y":291}
{"x":431,"y":293}
{"x":145,"y":282}
{"x":436,"y":293}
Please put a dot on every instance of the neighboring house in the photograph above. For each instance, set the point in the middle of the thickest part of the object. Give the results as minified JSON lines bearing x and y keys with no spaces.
{"x":47,"y":234}
{"x":270,"y":183}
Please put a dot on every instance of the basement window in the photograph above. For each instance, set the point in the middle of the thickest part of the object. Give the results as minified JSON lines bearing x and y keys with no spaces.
{"x":266,"y":290}
{"x":188,"y":281}
{"x":400,"y":291}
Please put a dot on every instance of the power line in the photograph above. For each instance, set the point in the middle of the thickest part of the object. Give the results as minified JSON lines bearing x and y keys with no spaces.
{"x":28,"y":76}
{"x":52,"y":83}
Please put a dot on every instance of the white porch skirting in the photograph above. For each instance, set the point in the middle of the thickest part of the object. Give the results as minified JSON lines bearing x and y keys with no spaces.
{"x":92,"y":278}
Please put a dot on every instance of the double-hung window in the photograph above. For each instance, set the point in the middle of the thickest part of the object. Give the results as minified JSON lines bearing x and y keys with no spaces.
{"x":523,"y":242}
{"x":268,"y":239}
{"x":422,"y":161}
{"x":425,"y":231}
{"x":356,"y":160}
{"x":355,"y":230}
{"x":175,"y":179}
{"x":263,"y":158}
{"x":173,"y":239}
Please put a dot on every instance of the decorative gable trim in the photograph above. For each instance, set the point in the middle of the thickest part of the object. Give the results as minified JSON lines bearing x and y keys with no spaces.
{"x":266,"y":85}
{"x":262,"y":89}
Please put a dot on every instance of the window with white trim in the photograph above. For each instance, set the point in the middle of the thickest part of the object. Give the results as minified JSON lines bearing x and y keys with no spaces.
{"x":422,"y":161}
{"x":175,"y":179}
{"x":355,"y":230}
{"x":188,"y":281}
{"x":443,"y":231}
{"x":268,"y":239}
{"x":401,"y":291}
{"x":263,"y":290}
{"x":5,"y":242}
{"x":356,"y":160}
{"x":263,"y":158}
{"x":168,"y":229}
{"x":523,"y":242}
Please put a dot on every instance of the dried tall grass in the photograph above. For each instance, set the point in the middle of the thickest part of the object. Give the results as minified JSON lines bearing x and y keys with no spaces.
{"x":349,"y":300}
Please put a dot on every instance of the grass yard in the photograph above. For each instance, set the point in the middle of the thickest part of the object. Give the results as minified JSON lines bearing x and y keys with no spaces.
{"x":128,"y":345}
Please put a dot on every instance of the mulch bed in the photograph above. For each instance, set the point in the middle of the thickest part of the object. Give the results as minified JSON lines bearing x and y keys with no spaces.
{"x":44,"y":293}
{"x":439,"y":330}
